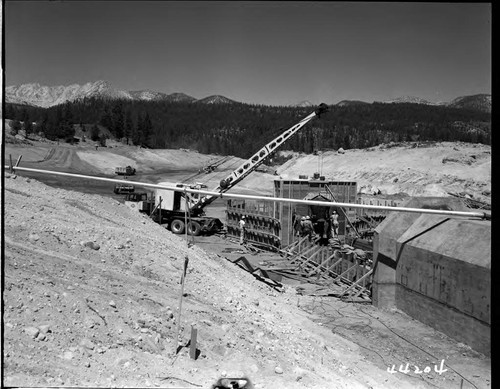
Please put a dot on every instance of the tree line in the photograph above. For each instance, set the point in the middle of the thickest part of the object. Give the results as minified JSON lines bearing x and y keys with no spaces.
{"x":241,"y":129}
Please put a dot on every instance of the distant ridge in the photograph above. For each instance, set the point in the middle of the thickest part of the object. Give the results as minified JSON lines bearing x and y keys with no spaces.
{"x":180,"y":97}
{"x":480,"y":102}
{"x":216,"y":99}
{"x":47,"y":96}
{"x":409,"y":99}
{"x":350,"y":103}
{"x":305,"y":103}
{"x":147,"y":95}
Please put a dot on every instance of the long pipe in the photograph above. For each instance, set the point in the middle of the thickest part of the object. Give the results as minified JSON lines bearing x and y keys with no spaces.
{"x":481,"y":215}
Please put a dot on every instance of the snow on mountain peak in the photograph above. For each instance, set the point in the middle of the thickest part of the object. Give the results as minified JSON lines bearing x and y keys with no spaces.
{"x":409,"y":99}
{"x":47,"y":96}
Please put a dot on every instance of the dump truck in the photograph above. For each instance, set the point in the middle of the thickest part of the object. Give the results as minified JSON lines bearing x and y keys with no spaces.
{"x":125,"y":171}
{"x":178,"y":210}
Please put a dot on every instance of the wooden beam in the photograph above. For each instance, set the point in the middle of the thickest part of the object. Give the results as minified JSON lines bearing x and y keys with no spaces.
{"x":294,"y":276}
{"x":357,"y":284}
{"x":322,"y":264}
{"x":344,"y":273}
{"x":332,"y":266}
{"x":192,"y":343}
{"x":309,"y":256}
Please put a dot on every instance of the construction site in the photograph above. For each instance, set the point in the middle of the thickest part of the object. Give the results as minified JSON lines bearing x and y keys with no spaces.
{"x":413,"y":262}
{"x":312,"y":241}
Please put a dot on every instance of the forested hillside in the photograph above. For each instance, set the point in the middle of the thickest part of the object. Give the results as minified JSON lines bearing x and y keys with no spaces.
{"x":241,"y":129}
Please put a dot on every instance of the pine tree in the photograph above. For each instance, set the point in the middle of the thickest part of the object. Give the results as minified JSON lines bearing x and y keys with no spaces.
{"x":28,"y":126}
{"x":9,"y":112}
{"x":147,"y":130}
{"x":102,"y":140}
{"x":106,"y":119}
{"x":128,"y":126}
{"x":67,"y":131}
{"x":15,"y":126}
{"x":117,"y":127}
{"x":94,"y":133}
{"x":41,"y":126}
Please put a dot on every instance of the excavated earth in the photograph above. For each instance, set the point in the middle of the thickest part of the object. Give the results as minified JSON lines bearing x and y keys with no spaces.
{"x":413,"y":168}
{"x":92,"y":293}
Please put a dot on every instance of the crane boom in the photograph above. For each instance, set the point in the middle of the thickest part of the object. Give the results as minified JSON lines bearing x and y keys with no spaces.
{"x":256,"y":160}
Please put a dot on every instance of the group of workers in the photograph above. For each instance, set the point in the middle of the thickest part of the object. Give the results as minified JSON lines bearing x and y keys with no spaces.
{"x":325,"y":228}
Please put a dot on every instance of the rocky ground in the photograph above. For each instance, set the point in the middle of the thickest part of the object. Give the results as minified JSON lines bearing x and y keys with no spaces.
{"x":92,"y":289}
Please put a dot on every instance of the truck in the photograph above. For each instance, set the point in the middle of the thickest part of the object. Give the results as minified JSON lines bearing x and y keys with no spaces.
{"x":174,"y":208}
{"x":139,"y":201}
{"x":124,"y":188}
{"x":125,"y":171}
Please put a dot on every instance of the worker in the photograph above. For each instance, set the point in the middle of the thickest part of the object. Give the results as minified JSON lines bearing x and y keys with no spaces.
{"x":334,"y":224}
{"x":308,"y":228}
{"x":297,"y":224}
{"x":301,"y":230}
{"x":321,"y":229}
{"x":241,"y":224}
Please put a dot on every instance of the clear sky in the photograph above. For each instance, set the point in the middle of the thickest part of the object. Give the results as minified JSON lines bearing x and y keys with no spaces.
{"x":274,"y":53}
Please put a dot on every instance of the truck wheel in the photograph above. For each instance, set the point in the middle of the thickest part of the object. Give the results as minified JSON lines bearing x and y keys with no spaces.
{"x":194,"y":228}
{"x":177,"y":226}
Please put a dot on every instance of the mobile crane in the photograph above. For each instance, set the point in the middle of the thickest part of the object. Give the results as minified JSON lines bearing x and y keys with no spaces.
{"x":170,"y":206}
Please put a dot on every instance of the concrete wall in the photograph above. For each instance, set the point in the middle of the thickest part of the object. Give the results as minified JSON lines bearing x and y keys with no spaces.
{"x":437,"y":270}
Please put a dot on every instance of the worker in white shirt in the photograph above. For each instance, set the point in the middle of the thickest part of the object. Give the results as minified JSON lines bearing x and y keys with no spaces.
{"x":241,"y":224}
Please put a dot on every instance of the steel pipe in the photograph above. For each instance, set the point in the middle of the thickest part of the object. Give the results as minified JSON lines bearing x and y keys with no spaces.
{"x":480,"y":215}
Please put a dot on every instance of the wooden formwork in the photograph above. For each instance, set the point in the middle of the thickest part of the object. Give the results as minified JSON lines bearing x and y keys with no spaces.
{"x":319,"y":190}
{"x":325,"y":270}
{"x":261,"y":227}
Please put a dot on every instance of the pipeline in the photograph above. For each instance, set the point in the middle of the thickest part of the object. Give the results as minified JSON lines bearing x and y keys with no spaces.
{"x":479,"y":215}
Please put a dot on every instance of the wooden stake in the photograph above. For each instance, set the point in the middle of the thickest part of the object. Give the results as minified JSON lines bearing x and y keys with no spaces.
{"x":18,"y":160}
{"x":159,"y":210}
{"x":183,"y":277}
{"x":192,"y":343}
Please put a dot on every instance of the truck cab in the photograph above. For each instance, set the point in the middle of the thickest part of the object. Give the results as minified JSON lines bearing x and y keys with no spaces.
{"x":139,"y":201}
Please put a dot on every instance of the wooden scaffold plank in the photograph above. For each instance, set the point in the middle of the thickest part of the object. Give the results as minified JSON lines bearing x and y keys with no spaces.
{"x":357,"y":284}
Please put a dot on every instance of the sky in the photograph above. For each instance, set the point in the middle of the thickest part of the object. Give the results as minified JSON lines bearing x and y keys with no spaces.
{"x":271,"y":53}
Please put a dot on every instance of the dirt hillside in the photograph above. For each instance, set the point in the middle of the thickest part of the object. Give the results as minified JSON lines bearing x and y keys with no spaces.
{"x":417,"y":169}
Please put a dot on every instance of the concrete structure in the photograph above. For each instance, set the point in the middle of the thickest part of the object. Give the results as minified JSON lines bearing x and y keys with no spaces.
{"x":305,"y":189}
{"x":437,"y":270}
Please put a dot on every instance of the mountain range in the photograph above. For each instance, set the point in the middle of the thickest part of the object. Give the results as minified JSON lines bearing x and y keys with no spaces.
{"x":47,"y":96}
